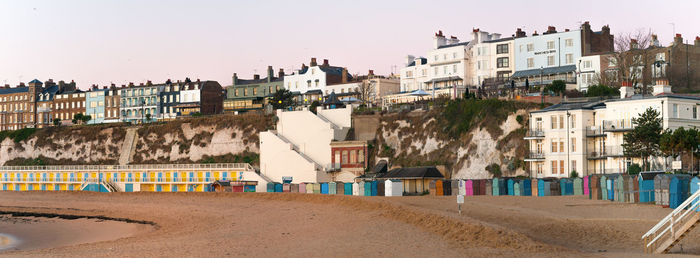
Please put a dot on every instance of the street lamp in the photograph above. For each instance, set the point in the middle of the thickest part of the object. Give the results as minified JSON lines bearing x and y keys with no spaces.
{"x":541,"y":87}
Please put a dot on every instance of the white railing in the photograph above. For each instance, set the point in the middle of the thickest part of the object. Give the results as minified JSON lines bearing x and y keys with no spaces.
{"x":243,"y":166}
{"x":686,"y":209}
{"x":139,"y":179}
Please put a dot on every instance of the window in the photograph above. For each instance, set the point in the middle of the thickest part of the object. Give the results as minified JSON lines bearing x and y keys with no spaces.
{"x":569,"y":42}
{"x":360,"y":156}
{"x":444,"y":70}
{"x":550,"y":60}
{"x":435,"y":58}
{"x":454,"y":68}
{"x":573,"y":121}
{"x":569,"y":58}
{"x":93,"y":104}
{"x":454,"y":55}
{"x":255,"y":91}
{"x":554,"y":146}
{"x":561,"y":167}
{"x":530,"y":47}
{"x":345,"y":157}
{"x":353,"y":157}
{"x":435,"y":70}
{"x":561,"y":145}
{"x":502,"y":49}
{"x":554,"y":122}
{"x":530,"y":62}
{"x":675,"y":110}
{"x":520,"y":48}
{"x":550,"y":44}
{"x":695,"y":112}
{"x":409,"y":74}
{"x":587,"y":64}
{"x":573,"y":144}
{"x":554,"y":167}
{"x":573,"y":165}
{"x":561,"y":121}
{"x":502,"y":62}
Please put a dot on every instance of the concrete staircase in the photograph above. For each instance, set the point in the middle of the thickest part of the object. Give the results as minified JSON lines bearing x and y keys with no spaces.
{"x":128,"y":146}
{"x":296,"y":149}
{"x":674,"y":227}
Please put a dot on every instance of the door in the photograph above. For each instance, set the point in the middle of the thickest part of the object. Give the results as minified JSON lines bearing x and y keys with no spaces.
{"x":128,"y":187}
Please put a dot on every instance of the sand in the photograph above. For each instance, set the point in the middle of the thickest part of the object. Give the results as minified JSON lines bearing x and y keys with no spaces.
{"x":276,"y":224}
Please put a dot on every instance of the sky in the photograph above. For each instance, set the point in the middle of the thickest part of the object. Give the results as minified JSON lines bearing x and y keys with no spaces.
{"x":121,"y":41}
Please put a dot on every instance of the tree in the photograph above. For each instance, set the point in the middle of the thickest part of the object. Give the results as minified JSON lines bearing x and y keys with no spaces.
{"x":56,"y":122}
{"x":557,"y":86}
{"x":632,"y":58}
{"x":680,"y":142}
{"x":148,"y":117}
{"x":367,"y":91}
{"x":601,"y":90}
{"x":314,"y":105}
{"x":85,"y":119}
{"x":643,"y":140}
{"x":634,"y":169}
{"x":282,"y":99}
{"x":77,"y":118}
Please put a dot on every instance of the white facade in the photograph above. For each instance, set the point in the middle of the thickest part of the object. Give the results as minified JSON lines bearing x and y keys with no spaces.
{"x":588,"y":137}
{"x":547,"y":50}
{"x":589,"y":68}
{"x":193,"y":95}
{"x":342,"y":88}
{"x":414,"y":74}
{"x":300,"y":147}
{"x":313,"y":79}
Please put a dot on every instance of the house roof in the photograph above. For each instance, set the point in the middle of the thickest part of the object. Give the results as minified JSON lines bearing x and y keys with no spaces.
{"x":498,"y":40}
{"x":35,"y":81}
{"x":381,"y":167}
{"x":328,"y":69}
{"x":414,"y":172}
{"x":13,"y":90}
{"x":454,"y":45}
{"x":545,"y":71}
{"x":571,"y":106}
{"x":423,"y":61}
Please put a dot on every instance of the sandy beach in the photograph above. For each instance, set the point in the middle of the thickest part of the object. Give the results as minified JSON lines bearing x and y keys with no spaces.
{"x":261,"y":224}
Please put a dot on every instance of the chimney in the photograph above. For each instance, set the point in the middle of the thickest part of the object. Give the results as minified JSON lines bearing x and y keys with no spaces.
{"x":303,"y":66}
{"x":371,"y":72}
{"x":325,"y":62}
{"x":655,"y":40}
{"x":280,"y":74}
{"x":7,"y":86}
{"x":439,"y":40}
{"x":697,"y":41}
{"x":235,"y":79}
{"x":606,"y":30}
{"x":566,"y":30}
{"x":519,"y":33}
{"x":678,"y":39}
{"x":586,"y":26}
{"x":344,"y":75}
{"x":452,"y":40}
{"x":270,"y":73}
{"x":104,"y":87}
{"x":313,"y":62}
{"x":626,"y":90}
{"x":550,"y":29}
{"x":409,"y":59}
{"x":662,"y":87}
{"x":256,"y":77}
{"x":535,"y":34}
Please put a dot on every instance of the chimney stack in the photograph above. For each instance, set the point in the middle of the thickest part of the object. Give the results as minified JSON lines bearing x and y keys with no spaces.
{"x":662,"y":87}
{"x":371,"y":72}
{"x":235,"y":79}
{"x":535,"y":34}
{"x":550,"y":29}
{"x":678,"y":39}
{"x":344,"y":75}
{"x":270,"y":73}
{"x":325,"y":62}
{"x":439,"y":40}
{"x":519,"y":33}
{"x":633,"y":44}
{"x":313,"y":62}
{"x":303,"y":66}
{"x":280,"y":74}
{"x":626,"y":90}
{"x":256,"y":77}
{"x":697,"y":41}
{"x":654,"y":40}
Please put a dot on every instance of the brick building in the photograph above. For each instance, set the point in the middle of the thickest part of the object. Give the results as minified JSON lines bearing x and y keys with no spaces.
{"x":68,"y":102}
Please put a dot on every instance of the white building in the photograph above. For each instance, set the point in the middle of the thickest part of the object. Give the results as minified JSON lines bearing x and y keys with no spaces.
{"x":414,"y":74}
{"x":301,"y":146}
{"x":587,"y":137}
{"x":315,"y":77}
{"x":591,"y":69}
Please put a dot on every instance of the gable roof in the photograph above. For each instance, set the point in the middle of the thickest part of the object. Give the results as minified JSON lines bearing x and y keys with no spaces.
{"x":454,"y":45}
{"x":414,"y":173}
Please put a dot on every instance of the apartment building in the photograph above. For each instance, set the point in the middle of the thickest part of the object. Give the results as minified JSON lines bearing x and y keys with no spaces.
{"x":139,"y":102}
{"x":112,"y":103}
{"x":200,"y":97}
{"x":17,"y":105}
{"x":68,"y":102}
{"x":587,"y":137}
{"x":95,"y":104}
{"x":251,"y":94}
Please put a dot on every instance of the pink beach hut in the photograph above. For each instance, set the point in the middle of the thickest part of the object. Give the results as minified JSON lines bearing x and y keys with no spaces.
{"x":302,"y":187}
{"x":469,"y":187}
{"x":585,"y":185}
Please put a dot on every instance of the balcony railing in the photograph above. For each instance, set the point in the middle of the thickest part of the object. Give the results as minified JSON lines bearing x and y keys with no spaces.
{"x":535,"y":155}
{"x":618,"y":125}
{"x":595,"y":132}
{"x":600,"y":153}
{"x":534,"y":134}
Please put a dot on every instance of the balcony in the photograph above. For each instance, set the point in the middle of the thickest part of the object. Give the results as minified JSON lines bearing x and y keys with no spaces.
{"x":606,"y":152}
{"x":535,"y":156}
{"x":534,"y":134}
{"x":595,"y":132}
{"x":622,"y":125}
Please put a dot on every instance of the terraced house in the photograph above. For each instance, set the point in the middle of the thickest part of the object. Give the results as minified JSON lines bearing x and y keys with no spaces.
{"x":68,"y":102}
{"x":17,"y":106}
{"x":140,"y":102}
{"x":251,"y":94}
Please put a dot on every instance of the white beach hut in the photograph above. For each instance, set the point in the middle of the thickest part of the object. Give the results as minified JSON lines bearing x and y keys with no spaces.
{"x":356,"y":189}
{"x":393,"y":188}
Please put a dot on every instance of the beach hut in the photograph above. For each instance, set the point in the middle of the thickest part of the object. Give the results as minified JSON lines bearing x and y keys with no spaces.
{"x":271,"y":187}
{"x":348,"y":188}
{"x":679,"y":190}
{"x":374,"y":185}
{"x":286,"y":188}
{"x":634,"y":184}
{"x":499,"y":187}
{"x":604,"y":187}
{"x":482,"y":186}
{"x":526,"y":187}
{"x":356,"y":189}
{"x":555,"y":187}
{"x":469,"y":187}
{"x":438,"y":188}
{"x":695,"y":187}
{"x":393,"y":188}
{"x":562,"y":185}
{"x":447,"y":187}
{"x":594,"y":187}
{"x":510,"y":184}
{"x":332,"y":188}
{"x":534,"y":186}
{"x":661,"y":186}
{"x":517,"y":185}
{"x":361,"y":190}
{"x":540,"y":187}
{"x":316,"y":188}
{"x":381,"y":187}
{"x":455,"y":187}
{"x":488,"y":189}
{"x":309,"y":188}
{"x":339,"y":188}
{"x":585,"y":186}
{"x":578,"y":186}
{"x":278,"y":187}
{"x":302,"y":187}
{"x":621,"y":188}
{"x":294,"y":188}
{"x":368,"y":188}
{"x":646,"y":186}
{"x":432,"y":187}
{"x":324,"y":188}
{"x":416,"y":180}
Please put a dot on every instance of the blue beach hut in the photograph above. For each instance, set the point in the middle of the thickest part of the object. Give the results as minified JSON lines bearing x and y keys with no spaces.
{"x":348,"y":188}
{"x":324,"y":188}
{"x":679,"y":190}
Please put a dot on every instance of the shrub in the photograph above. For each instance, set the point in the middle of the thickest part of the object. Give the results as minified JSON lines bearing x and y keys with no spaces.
{"x":494,"y":169}
{"x":634,"y":169}
{"x":519,"y":119}
{"x":573,"y":174}
{"x":17,"y":135}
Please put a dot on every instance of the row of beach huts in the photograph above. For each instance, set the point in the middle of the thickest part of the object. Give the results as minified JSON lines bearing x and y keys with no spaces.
{"x":669,"y":190}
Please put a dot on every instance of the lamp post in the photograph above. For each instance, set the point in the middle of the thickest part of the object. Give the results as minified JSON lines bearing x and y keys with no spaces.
{"x":541,"y":87}
{"x":143,"y":102}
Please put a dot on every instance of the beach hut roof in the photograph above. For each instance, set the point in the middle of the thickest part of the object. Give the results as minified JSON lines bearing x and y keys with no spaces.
{"x":649,"y":175}
{"x":222,"y":182}
{"x":414,"y":172}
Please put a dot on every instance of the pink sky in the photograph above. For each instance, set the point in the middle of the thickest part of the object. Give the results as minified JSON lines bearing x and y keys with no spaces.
{"x":100,"y":42}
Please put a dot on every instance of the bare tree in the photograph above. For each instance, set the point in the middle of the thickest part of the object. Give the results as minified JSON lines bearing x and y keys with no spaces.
{"x":367,"y":91}
{"x":632,"y":58}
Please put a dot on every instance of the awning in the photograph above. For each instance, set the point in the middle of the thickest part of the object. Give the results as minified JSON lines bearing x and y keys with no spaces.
{"x":544,"y":71}
{"x":419,"y":93}
{"x":445,"y":79}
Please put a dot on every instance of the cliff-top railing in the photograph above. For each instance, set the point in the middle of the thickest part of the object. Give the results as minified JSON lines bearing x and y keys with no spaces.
{"x":242,"y":166}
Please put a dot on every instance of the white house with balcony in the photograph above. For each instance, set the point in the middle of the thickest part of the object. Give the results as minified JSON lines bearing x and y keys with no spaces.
{"x":587,"y":137}
{"x":300,"y":147}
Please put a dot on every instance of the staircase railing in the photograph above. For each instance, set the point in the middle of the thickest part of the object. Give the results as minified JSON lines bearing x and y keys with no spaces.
{"x":667,"y":226}
{"x":297,"y":150}
{"x":324,"y":119}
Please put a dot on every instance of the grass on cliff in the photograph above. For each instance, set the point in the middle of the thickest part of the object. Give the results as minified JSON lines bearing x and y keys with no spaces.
{"x":460,"y":116}
{"x":17,"y":135}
